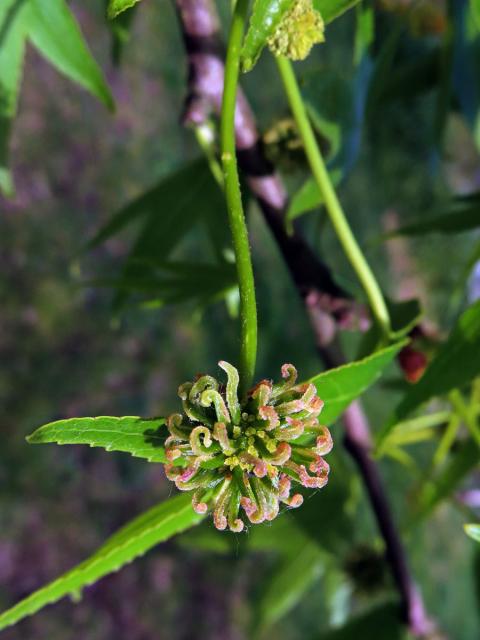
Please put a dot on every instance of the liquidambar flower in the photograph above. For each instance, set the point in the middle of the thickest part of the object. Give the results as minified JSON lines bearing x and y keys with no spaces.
{"x":299,"y":29}
{"x":240,"y":459}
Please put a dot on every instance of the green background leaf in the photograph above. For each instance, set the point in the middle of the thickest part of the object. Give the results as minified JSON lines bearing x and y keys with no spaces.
{"x":53,"y":30}
{"x":456,"y":363}
{"x":464,"y":215}
{"x":55,"y":33}
{"x":140,"y":535}
{"x":380,"y":623}
{"x":286,"y":586}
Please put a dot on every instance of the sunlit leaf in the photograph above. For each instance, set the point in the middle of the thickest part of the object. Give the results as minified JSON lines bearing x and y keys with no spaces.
{"x":134,"y":540}
{"x":473,"y":530}
{"x":339,"y":387}
{"x":265,"y":18}
{"x":137,"y":436}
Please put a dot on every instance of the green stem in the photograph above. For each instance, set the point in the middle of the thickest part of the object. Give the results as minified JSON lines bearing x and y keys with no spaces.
{"x":205,"y":135}
{"x":332,"y":204}
{"x":464,"y":413}
{"x":447,"y":440}
{"x":248,"y":307}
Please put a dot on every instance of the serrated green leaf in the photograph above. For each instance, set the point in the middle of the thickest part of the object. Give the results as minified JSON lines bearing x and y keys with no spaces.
{"x":456,"y":363}
{"x":118,"y":6}
{"x":286,"y":587}
{"x":472,"y":530}
{"x":56,"y":34}
{"x":380,"y":623}
{"x":339,"y":387}
{"x":134,"y":540}
{"x":137,"y":436}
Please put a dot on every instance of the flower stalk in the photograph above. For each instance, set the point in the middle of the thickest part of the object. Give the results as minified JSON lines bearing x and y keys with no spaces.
{"x":332,"y":203}
{"x":248,"y":306}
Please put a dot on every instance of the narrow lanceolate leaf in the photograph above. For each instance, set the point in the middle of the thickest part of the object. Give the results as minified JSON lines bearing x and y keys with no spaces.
{"x":456,"y":364}
{"x":56,"y":34}
{"x":136,"y":538}
{"x":141,"y":438}
{"x":12,"y":45}
{"x":53,"y":30}
{"x":118,"y":6}
{"x":339,"y":387}
{"x":473,"y":530}
{"x":168,"y":203}
{"x":461,"y":463}
{"x":286,"y":587}
{"x":169,"y":211}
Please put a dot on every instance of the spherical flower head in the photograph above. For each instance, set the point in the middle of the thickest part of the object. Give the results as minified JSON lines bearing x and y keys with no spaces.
{"x":299,"y":29}
{"x":240,"y":458}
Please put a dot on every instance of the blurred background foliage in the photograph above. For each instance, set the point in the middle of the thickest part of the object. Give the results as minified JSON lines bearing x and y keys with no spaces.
{"x":397,"y":107}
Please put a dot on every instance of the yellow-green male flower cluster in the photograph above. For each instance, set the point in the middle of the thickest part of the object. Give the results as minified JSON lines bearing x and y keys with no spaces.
{"x":241,"y":458}
{"x":300,"y":28}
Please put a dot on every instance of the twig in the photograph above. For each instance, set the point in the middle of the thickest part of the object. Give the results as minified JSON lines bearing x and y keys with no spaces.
{"x":327,"y":304}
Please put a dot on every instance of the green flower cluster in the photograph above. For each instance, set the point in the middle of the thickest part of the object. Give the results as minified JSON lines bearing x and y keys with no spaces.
{"x":300,"y":28}
{"x":245,"y":455}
